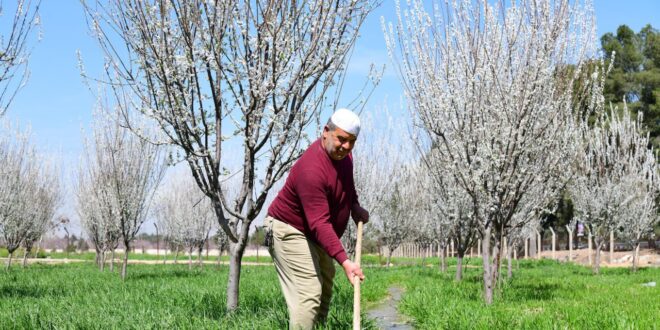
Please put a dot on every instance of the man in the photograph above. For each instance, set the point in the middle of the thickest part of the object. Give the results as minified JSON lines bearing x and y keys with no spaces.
{"x":308,"y":217}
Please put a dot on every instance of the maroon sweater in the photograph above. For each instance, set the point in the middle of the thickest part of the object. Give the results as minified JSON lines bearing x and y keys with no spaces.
{"x":317,"y":198}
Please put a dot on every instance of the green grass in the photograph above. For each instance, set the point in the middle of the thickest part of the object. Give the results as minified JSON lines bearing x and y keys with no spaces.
{"x":78,"y":296}
{"x":541,"y":295}
{"x":374,"y":260}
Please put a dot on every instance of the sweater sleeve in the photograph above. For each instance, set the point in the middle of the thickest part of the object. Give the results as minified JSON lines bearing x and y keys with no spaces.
{"x":311,"y":188}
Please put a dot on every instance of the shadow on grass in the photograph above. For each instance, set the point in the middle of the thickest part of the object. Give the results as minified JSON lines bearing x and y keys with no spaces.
{"x":163,"y":274}
{"x":28,"y":292}
{"x":522,"y":292}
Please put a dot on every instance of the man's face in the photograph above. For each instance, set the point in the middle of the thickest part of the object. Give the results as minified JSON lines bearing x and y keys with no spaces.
{"x":338,"y":143}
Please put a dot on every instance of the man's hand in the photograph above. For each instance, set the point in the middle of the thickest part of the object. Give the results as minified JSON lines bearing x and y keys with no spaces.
{"x":359,"y":213}
{"x":352,"y":269}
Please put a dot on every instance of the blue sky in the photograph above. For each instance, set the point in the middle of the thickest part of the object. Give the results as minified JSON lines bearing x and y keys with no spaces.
{"x":57,"y":104}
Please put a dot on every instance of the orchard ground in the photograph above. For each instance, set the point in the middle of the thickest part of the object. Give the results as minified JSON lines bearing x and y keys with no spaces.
{"x":647,"y":257}
{"x":543,"y":294}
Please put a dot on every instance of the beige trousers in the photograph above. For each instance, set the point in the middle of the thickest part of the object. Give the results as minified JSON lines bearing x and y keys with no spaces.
{"x":305,"y":272}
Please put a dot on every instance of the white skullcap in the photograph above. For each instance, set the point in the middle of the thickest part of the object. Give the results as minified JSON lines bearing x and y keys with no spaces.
{"x":346,"y":120}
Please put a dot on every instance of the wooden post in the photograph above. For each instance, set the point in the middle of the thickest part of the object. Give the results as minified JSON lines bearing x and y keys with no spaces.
{"x":538,"y":245}
{"x":554,"y":241}
{"x":611,"y":246}
{"x":570,"y":243}
{"x":589,"y":247}
{"x":356,"y":280}
{"x":515,"y":252}
{"x":479,"y":248}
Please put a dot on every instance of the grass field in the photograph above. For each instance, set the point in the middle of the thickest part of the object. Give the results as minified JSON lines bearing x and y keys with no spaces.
{"x":542,"y":295}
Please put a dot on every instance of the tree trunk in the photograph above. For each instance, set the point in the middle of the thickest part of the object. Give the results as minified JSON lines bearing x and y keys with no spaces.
{"x":488,"y":279}
{"x":423,"y":257}
{"x":39,"y":245}
{"x":496,"y":261}
{"x":112,"y":260}
{"x":443,"y":260}
{"x":25,"y":257}
{"x":380,"y":254}
{"x":635,"y":257}
{"x":389,"y":257}
{"x":97,"y":259}
{"x":599,"y":246}
{"x":532,"y":247}
{"x":102,"y":261}
{"x":509,"y":273}
{"x":11,"y":255}
{"x":190,"y":259}
{"x":176,"y":255}
{"x":235,"y":255}
{"x":124,"y":264}
{"x":199,"y":256}
{"x":451,"y":247}
{"x":219,"y":256}
{"x":459,"y":268}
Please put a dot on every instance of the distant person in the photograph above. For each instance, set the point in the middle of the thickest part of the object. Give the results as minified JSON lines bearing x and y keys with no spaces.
{"x":309,"y":215}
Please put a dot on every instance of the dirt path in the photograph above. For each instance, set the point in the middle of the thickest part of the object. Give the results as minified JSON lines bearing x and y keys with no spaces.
{"x":647,"y":257}
{"x":130,"y":261}
{"x":387,"y":315}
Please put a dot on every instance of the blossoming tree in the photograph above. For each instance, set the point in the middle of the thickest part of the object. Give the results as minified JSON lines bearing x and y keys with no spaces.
{"x":490,"y":84}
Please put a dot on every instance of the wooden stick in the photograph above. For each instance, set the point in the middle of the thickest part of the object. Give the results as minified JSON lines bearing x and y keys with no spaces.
{"x":356,"y":280}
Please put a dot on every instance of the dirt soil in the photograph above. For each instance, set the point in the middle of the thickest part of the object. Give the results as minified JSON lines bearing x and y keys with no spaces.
{"x":647,"y":257}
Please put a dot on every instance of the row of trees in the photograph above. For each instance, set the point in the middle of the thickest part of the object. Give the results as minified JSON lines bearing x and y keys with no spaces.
{"x":117,"y":180}
{"x":185,"y":215}
{"x":501,"y":98}
{"x":616,"y":182}
{"x":29,"y":192}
